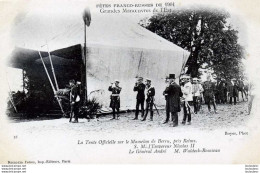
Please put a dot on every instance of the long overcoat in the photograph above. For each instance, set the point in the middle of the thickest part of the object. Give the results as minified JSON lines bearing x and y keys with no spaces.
{"x":172,"y":95}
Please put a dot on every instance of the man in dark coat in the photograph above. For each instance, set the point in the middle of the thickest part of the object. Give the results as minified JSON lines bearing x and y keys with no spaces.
{"x":74,"y":101}
{"x":173,"y":94}
{"x":140,"y":97}
{"x":115,"y":98}
{"x":233,"y":91}
{"x":209,"y":93}
{"x":150,"y":92}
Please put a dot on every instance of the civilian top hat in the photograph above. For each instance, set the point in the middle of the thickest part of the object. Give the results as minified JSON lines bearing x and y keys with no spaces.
{"x":171,"y":76}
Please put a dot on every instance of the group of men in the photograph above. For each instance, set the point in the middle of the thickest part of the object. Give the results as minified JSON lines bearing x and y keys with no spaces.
{"x":189,"y":92}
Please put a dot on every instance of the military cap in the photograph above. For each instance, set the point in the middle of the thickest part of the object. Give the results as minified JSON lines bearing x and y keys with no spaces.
{"x":72,"y":81}
{"x":149,"y":80}
{"x":140,"y":78}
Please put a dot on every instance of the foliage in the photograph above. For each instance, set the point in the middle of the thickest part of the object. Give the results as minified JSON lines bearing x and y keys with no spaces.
{"x":91,"y":108}
{"x":206,"y":34}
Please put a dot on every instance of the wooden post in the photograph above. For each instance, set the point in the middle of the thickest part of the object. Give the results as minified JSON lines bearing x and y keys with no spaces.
{"x":52,"y":68}
{"x":53,"y":88}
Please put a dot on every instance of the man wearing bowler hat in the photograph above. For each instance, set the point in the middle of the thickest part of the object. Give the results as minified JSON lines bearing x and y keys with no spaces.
{"x":140,"y":97}
{"x":173,"y":93}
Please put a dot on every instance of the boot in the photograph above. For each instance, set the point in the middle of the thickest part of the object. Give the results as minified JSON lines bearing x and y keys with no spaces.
{"x":114,"y":117}
{"x":142,"y":114}
{"x":144,"y":117}
{"x":136,"y":117}
{"x":151,"y":116}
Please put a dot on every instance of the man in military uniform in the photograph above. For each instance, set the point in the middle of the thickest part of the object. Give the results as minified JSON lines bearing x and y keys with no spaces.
{"x":140,"y":88}
{"x":233,"y":91}
{"x":209,"y":88}
{"x":150,"y":92}
{"x":115,"y":98}
{"x":188,"y":98}
{"x":173,"y":94}
{"x":74,"y":101}
{"x":196,"y":90}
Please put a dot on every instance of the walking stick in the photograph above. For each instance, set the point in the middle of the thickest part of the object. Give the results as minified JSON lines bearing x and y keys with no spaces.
{"x":189,"y":107}
{"x":54,"y":91}
{"x":156,"y":109}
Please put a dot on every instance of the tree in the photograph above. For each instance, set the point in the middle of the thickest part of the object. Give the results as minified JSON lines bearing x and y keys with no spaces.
{"x":206,"y":34}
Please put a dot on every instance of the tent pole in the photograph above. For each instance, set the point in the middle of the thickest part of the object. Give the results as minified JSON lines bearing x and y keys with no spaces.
{"x":23,"y":81}
{"x":10,"y":95}
{"x":52,"y":68}
{"x":85,"y":55}
{"x":54,"y":91}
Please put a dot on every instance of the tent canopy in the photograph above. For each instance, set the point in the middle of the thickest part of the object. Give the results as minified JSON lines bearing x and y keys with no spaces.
{"x":116,"y":49}
{"x":21,"y":57}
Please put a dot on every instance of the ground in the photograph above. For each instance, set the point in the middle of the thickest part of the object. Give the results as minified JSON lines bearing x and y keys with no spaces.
{"x":228,"y":116}
{"x":57,"y":139}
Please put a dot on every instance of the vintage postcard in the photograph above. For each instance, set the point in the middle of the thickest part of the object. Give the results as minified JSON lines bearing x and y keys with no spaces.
{"x":129,"y":81}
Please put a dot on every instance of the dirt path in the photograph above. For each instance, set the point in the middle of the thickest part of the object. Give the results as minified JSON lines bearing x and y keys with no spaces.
{"x":228,"y":116}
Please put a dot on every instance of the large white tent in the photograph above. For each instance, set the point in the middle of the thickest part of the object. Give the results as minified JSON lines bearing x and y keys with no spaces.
{"x":117,"y":49}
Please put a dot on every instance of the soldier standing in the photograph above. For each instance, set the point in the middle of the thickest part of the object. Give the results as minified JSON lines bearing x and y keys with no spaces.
{"x":74,"y":101}
{"x":188,"y":98}
{"x":196,"y":90}
{"x":150,"y":92}
{"x":173,"y":94}
{"x":115,"y":98}
{"x":233,"y":91}
{"x":140,"y":88}
{"x":209,"y":89}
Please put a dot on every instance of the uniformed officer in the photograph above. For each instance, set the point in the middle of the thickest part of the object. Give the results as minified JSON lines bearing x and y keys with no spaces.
{"x":115,"y":98}
{"x":74,"y":101}
{"x":140,"y":97}
{"x":188,"y":98}
{"x":150,"y":92}
{"x":209,"y":88}
{"x":197,"y":89}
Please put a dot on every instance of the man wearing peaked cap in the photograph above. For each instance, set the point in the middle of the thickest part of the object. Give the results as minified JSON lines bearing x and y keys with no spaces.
{"x":150,"y":92}
{"x":209,"y":93}
{"x":115,"y":98}
{"x":140,"y":97}
{"x":173,"y":94}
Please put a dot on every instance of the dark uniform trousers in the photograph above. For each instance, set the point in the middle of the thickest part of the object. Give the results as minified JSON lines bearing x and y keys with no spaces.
{"x":139,"y":102}
{"x":74,"y":104}
{"x":140,"y":88}
{"x":149,"y":107}
{"x":235,"y":100}
{"x":74,"y":111}
{"x":195,"y":104}
{"x":115,"y":107}
{"x":115,"y":100}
